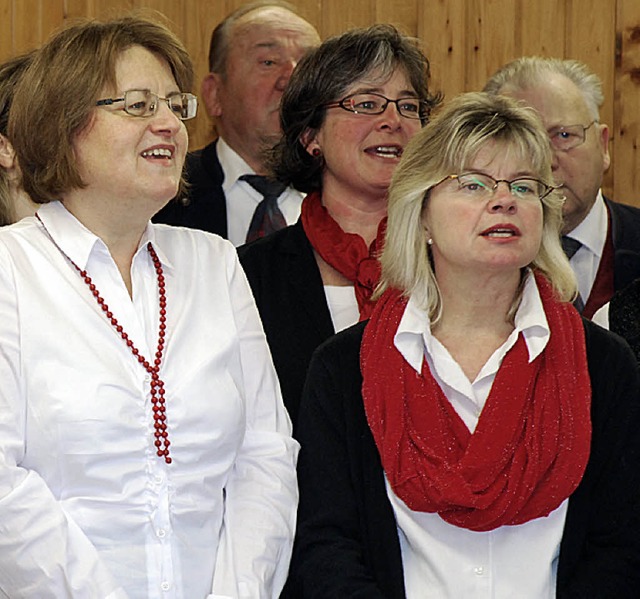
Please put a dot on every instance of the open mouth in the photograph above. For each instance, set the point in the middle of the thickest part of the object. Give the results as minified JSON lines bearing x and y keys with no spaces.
{"x":157,"y":153}
{"x":385,"y":151}
{"x":500,"y":232}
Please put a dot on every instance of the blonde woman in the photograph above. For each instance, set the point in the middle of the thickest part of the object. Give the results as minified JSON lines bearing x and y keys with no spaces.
{"x":475,"y":438}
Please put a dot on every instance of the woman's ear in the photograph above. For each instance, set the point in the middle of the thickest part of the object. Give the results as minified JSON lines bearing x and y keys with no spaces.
{"x":309,"y":141}
{"x":7,"y":153}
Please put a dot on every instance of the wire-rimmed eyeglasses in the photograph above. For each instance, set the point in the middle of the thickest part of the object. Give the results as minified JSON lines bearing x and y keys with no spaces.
{"x":570,"y":136}
{"x":144,"y":103}
{"x":372,"y":103}
{"x":480,"y":186}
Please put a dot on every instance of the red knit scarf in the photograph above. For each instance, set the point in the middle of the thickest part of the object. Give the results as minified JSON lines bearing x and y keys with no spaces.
{"x":531,"y":445}
{"x":346,"y":252}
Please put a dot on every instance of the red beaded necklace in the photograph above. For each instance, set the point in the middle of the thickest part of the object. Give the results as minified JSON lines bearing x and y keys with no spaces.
{"x":157,"y":384}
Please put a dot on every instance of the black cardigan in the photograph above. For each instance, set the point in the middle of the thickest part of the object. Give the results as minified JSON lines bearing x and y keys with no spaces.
{"x":287,"y":286}
{"x":347,"y":544}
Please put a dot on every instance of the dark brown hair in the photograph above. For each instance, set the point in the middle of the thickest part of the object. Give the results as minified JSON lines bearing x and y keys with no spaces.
{"x":323,"y":75}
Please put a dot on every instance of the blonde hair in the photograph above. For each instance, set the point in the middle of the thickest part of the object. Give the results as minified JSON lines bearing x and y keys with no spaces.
{"x":445,"y":146}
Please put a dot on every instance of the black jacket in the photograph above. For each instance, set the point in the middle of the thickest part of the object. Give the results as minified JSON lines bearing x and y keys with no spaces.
{"x":288,"y":289}
{"x":347,"y":544}
{"x":206,"y":208}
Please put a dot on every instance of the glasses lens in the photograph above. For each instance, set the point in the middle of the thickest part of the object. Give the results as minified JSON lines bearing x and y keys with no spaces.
{"x":139,"y":102}
{"x":365,"y":103}
{"x":183,"y":105}
{"x":476,"y":185}
{"x":565,"y":138}
{"x":411,"y":108}
{"x":527,"y":189}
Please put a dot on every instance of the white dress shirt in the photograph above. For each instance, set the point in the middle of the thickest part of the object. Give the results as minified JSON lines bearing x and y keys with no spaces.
{"x":87,"y":510}
{"x":444,"y":561}
{"x":343,"y":306}
{"x":242,"y":199}
{"x":592,"y":234}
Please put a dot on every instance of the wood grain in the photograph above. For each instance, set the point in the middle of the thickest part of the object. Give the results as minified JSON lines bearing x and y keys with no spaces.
{"x":466,"y":41}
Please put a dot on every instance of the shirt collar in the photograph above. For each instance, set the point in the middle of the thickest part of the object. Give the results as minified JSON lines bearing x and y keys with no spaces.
{"x":79,"y":243}
{"x":232,"y":165}
{"x":592,"y":231}
{"x":413,"y":336}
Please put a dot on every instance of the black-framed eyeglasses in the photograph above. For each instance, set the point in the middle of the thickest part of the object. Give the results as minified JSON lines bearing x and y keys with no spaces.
{"x":570,"y":136}
{"x":372,"y":103}
{"x":480,"y":186}
{"x":144,"y":103}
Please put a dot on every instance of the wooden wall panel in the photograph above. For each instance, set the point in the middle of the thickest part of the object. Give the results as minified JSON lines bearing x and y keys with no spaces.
{"x":466,"y":40}
{"x":403,"y":15}
{"x":496,"y":27}
{"x":598,"y":51}
{"x":338,"y":15}
{"x":442,"y":29}
{"x":6,"y":28}
{"x":626,"y":168}
{"x":542,"y":26}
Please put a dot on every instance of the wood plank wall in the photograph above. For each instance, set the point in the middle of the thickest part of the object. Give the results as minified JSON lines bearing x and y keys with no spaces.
{"x":466,"y":40}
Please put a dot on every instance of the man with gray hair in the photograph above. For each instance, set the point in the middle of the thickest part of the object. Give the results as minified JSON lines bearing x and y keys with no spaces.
{"x":252,"y":54}
{"x":600,"y":237}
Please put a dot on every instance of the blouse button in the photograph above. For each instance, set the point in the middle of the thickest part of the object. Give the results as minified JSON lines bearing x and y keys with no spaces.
{"x":479,"y":570}
{"x":165,"y":586}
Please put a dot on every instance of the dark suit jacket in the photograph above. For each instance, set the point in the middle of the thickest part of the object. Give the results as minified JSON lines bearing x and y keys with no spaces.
{"x":288,"y":289}
{"x":206,"y":208}
{"x":347,"y":543}
{"x":624,"y":315}
{"x":625,"y":234}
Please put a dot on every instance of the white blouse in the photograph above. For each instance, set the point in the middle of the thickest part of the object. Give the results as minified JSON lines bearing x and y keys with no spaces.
{"x":87,"y":509}
{"x":442,"y":560}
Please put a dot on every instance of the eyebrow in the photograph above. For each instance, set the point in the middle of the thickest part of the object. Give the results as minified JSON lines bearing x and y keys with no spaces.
{"x":404,"y":93}
{"x":266,"y":45}
{"x":518,"y":175}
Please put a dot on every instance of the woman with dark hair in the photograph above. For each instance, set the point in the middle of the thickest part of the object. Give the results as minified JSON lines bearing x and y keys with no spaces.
{"x":144,"y":447}
{"x":347,"y":114}
{"x":476,"y":437}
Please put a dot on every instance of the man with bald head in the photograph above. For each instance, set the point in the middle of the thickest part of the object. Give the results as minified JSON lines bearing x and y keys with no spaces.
{"x":252,"y":54}
{"x":601,"y":237}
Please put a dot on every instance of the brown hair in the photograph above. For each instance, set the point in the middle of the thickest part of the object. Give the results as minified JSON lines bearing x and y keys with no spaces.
{"x":10,"y":73}
{"x":56,"y":97}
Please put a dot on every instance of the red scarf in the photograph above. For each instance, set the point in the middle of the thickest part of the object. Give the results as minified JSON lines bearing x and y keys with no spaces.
{"x":346,"y":252}
{"x":531,"y":445}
